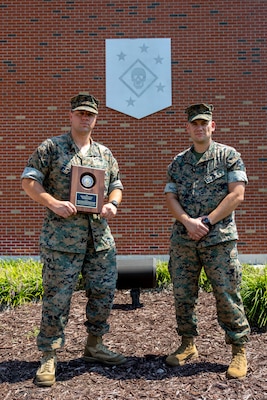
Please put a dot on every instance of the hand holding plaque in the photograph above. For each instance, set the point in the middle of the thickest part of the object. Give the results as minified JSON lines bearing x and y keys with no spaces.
{"x":87,"y":188}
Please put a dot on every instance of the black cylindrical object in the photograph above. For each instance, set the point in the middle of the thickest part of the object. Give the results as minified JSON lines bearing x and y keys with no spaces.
{"x":136,"y":274}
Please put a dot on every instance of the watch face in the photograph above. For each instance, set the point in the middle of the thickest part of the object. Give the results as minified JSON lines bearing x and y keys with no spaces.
{"x":87,"y":181}
{"x":206,"y":221}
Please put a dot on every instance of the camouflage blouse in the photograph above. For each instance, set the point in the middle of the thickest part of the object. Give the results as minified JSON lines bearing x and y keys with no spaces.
{"x":201,"y":185}
{"x":50,"y":165}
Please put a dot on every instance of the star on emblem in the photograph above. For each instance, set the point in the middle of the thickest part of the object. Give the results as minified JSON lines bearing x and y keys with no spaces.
{"x":160,"y":87}
{"x":158,"y":60}
{"x":130,"y":102}
{"x":144,"y":48}
{"x":121,"y":56}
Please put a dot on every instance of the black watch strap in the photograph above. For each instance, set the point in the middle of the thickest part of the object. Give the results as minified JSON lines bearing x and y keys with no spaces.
{"x":206,"y":221}
{"x":115,"y":203}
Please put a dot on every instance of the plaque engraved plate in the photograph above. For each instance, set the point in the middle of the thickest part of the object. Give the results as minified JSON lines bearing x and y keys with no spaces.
{"x":87,"y":188}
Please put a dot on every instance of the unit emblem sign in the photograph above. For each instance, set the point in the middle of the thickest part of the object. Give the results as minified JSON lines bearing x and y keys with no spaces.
{"x":87,"y":188}
{"x":138,"y":75}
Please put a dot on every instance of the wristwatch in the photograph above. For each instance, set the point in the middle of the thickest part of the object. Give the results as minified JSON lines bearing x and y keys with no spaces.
{"x":115,"y":203}
{"x":206,"y":221}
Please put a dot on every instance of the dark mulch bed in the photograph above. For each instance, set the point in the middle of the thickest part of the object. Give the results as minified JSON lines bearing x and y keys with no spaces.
{"x":145,"y":335}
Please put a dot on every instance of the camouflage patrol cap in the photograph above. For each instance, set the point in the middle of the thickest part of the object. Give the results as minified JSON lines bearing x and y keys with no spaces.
{"x":199,"y":111}
{"x":84,"y":101}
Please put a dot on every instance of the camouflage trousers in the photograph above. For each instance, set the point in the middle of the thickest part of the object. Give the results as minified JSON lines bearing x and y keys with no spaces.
{"x":60,"y":275}
{"x":224,"y":272}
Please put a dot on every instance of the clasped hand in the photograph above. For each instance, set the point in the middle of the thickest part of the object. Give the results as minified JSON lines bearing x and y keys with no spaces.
{"x":196,"y":229}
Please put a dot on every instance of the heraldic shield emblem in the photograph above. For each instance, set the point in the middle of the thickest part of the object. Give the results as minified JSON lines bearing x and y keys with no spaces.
{"x":138,"y":76}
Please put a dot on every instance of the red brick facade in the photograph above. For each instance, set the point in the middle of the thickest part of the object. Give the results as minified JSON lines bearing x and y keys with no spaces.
{"x":52,"y":49}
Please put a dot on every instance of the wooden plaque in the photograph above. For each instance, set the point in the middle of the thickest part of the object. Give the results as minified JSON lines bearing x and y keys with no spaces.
{"x":87,"y":188}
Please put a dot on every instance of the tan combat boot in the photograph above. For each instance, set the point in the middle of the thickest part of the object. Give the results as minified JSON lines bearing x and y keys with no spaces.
{"x":46,"y":373}
{"x":187,"y":351}
{"x":95,"y":351}
{"x":238,"y":366}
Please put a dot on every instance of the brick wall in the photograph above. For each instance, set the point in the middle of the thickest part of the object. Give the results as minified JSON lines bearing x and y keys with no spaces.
{"x":52,"y":49}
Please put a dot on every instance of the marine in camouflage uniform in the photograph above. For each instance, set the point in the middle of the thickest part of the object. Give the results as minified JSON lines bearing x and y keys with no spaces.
{"x":204,"y":233}
{"x":74,"y":242}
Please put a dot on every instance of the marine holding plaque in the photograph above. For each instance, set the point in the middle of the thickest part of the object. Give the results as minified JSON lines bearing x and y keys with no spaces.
{"x":87,"y":188}
{"x":71,"y":175}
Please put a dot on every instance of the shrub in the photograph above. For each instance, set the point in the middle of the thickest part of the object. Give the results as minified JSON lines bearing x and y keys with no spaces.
{"x":163,"y":278}
{"x":20,"y":282}
{"x":254,"y":294}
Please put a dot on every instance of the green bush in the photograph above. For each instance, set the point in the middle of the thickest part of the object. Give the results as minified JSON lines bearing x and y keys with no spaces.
{"x":204,"y":282}
{"x":20,"y":282}
{"x":163,"y":278}
{"x":254,"y":294}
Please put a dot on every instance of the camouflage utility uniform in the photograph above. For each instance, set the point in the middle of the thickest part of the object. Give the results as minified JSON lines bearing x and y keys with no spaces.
{"x":80,"y":243}
{"x":200,"y":186}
